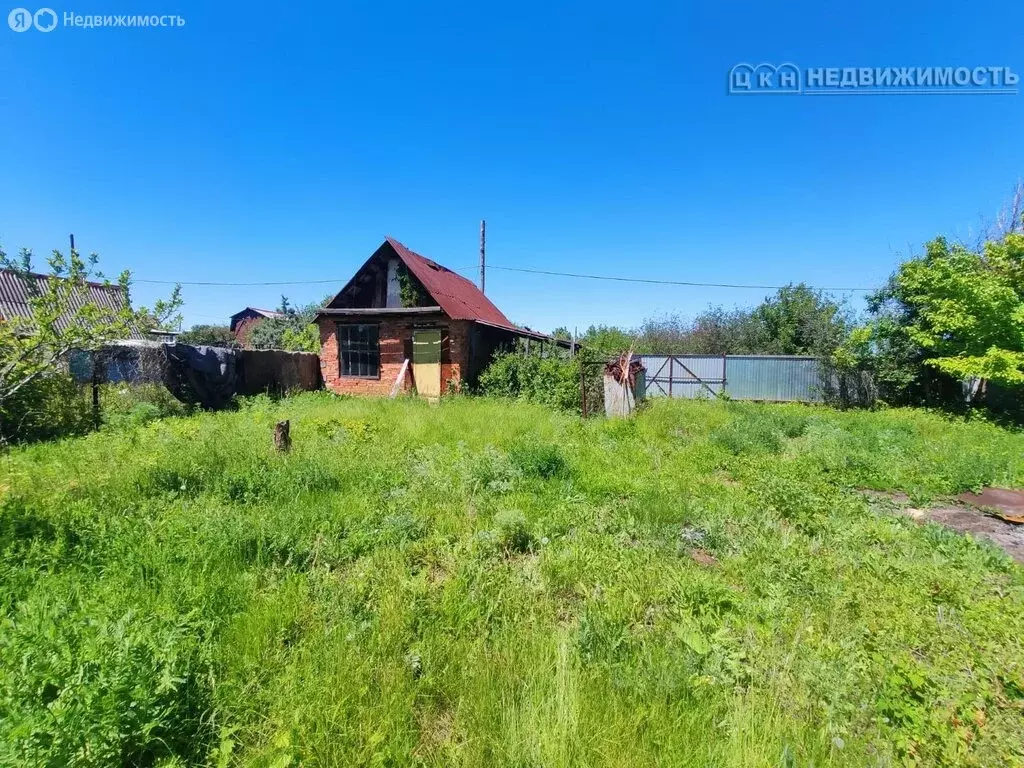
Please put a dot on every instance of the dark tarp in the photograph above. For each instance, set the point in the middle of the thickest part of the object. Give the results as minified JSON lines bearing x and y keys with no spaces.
{"x":204,"y":375}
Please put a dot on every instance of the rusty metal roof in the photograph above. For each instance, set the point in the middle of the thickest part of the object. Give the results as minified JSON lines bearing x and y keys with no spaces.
{"x":16,"y":290}
{"x":457,"y":296}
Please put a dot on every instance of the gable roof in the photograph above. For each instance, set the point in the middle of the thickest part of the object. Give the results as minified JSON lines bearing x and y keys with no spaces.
{"x":16,"y":289}
{"x":457,"y":297}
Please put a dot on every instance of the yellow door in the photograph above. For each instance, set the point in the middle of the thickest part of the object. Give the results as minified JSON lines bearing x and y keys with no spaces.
{"x":426,"y":362}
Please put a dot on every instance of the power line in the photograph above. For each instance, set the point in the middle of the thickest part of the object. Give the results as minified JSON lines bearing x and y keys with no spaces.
{"x":650,"y":281}
{"x":658,"y":282}
{"x":225,"y":285}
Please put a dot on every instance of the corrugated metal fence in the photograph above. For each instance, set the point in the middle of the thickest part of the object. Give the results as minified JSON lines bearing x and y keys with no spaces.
{"x":741,"y":377}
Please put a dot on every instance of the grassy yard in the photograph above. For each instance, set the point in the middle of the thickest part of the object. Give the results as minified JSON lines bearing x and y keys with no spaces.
{"x":486,"y":583}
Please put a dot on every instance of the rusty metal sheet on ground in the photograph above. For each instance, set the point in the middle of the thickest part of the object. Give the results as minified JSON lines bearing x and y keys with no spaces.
{"x":1005,"y":504}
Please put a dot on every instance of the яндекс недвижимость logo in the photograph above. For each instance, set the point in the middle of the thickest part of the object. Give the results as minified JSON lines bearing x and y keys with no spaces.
{"x":46,"y":20}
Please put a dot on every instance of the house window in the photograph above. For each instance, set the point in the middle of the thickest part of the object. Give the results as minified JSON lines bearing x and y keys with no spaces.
{"x":360,"y":350}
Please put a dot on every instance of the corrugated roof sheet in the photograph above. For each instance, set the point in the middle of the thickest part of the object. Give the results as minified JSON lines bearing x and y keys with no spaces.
{"x":458,"y":297}
{"x":257,"y":310}
{"x":17,"y":289}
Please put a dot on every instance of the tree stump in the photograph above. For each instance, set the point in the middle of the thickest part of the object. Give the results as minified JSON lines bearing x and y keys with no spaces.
{"x":282,"y":438}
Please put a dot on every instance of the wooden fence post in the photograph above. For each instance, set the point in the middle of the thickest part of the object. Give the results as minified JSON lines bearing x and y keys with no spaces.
{"x":583,"y":387}
{"x":98,"y":374}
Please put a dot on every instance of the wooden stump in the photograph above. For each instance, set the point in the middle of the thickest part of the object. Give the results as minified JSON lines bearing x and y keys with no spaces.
{"x":282,"y":438}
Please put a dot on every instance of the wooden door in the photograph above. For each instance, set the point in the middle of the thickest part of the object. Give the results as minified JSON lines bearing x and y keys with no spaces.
{"x":426,"y":362}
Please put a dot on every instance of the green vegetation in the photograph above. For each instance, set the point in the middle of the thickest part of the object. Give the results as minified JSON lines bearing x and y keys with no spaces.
{"x":796,"y":320}
{"x":296,"y":331}
{"x":410,"y":290}
{"x":953,"y":314}
{"x":488,"y":583}
{"x":551,"y":381}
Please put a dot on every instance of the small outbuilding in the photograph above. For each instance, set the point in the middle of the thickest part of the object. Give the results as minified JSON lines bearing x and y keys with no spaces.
{"x":406,"y":322}
{"x":241,"y":323}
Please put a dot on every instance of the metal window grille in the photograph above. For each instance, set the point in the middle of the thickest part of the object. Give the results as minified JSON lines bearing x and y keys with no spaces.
{"x":360,"y":350}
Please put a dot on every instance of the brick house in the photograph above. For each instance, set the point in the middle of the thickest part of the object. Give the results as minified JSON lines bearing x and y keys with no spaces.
{"x":242,"y":323}
{"x":401,"y":306}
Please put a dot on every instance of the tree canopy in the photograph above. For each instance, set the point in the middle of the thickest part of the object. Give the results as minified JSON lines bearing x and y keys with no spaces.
{"x":955,"y":311}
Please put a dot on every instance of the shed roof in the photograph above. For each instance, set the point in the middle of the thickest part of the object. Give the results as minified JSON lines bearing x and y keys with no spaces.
{"x":16,"y":289}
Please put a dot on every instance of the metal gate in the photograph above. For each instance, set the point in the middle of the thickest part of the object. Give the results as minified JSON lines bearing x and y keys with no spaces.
{"x":685,"y":375}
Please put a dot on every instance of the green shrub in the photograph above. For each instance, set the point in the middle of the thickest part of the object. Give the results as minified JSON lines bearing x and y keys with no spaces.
{"x":550,"y":381}
{"x":47,"y":408}
{"x":130,"y":405}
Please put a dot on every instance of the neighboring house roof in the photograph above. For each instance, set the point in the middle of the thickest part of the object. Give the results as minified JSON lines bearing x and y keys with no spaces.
{"x":16,"y":289}
{"x":260,"y":312}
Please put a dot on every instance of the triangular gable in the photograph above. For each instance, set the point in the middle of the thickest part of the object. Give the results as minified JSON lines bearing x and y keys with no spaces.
{"x":459,"y":298}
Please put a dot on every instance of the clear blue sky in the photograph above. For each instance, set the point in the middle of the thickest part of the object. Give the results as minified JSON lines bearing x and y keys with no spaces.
{"x":282,"y":142}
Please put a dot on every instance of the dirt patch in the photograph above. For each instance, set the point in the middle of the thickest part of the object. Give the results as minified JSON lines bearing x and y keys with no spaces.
{"x":703,"y":557}
{"x":969,"y":519}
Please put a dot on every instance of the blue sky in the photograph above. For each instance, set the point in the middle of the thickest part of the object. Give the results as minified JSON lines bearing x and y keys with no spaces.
{"x":281,"y":143}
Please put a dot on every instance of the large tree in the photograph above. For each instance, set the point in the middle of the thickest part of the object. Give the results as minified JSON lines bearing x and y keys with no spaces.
{"x":958,"y":311}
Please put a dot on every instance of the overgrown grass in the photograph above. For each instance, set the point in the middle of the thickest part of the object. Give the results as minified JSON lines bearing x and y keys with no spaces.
{"x":483,"y":583}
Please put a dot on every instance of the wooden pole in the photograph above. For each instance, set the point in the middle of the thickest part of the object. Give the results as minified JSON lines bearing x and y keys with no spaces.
{"x":98,"y":373}
{"x":72,"y":237}
{"x":583,"y":388}
{"x":483,"y":258}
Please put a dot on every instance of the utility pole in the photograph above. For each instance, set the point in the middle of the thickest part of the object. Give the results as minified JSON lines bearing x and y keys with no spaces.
{"x":483,"y":250}
{"x":72,"y":244}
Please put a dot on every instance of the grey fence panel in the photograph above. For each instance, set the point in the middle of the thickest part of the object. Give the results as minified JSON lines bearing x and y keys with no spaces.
{"x":742,"y":377}
{"x":691,"y":376}
{"x":779,"y":379}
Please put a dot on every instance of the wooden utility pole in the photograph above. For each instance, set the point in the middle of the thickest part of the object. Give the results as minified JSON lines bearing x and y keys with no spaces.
{"x":72,"y":245}
{"x":483,"y":250}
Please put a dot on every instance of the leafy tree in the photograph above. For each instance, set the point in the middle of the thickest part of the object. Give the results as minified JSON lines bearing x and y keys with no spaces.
{"x":797,"y":321}
{"x":607,"y":339}
{"x":209,"y":335}
{"x":957,"y":311}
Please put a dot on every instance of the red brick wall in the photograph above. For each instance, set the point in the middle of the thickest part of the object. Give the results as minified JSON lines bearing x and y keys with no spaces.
{"x":395,"y":336}
{"x":244,"y":328}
